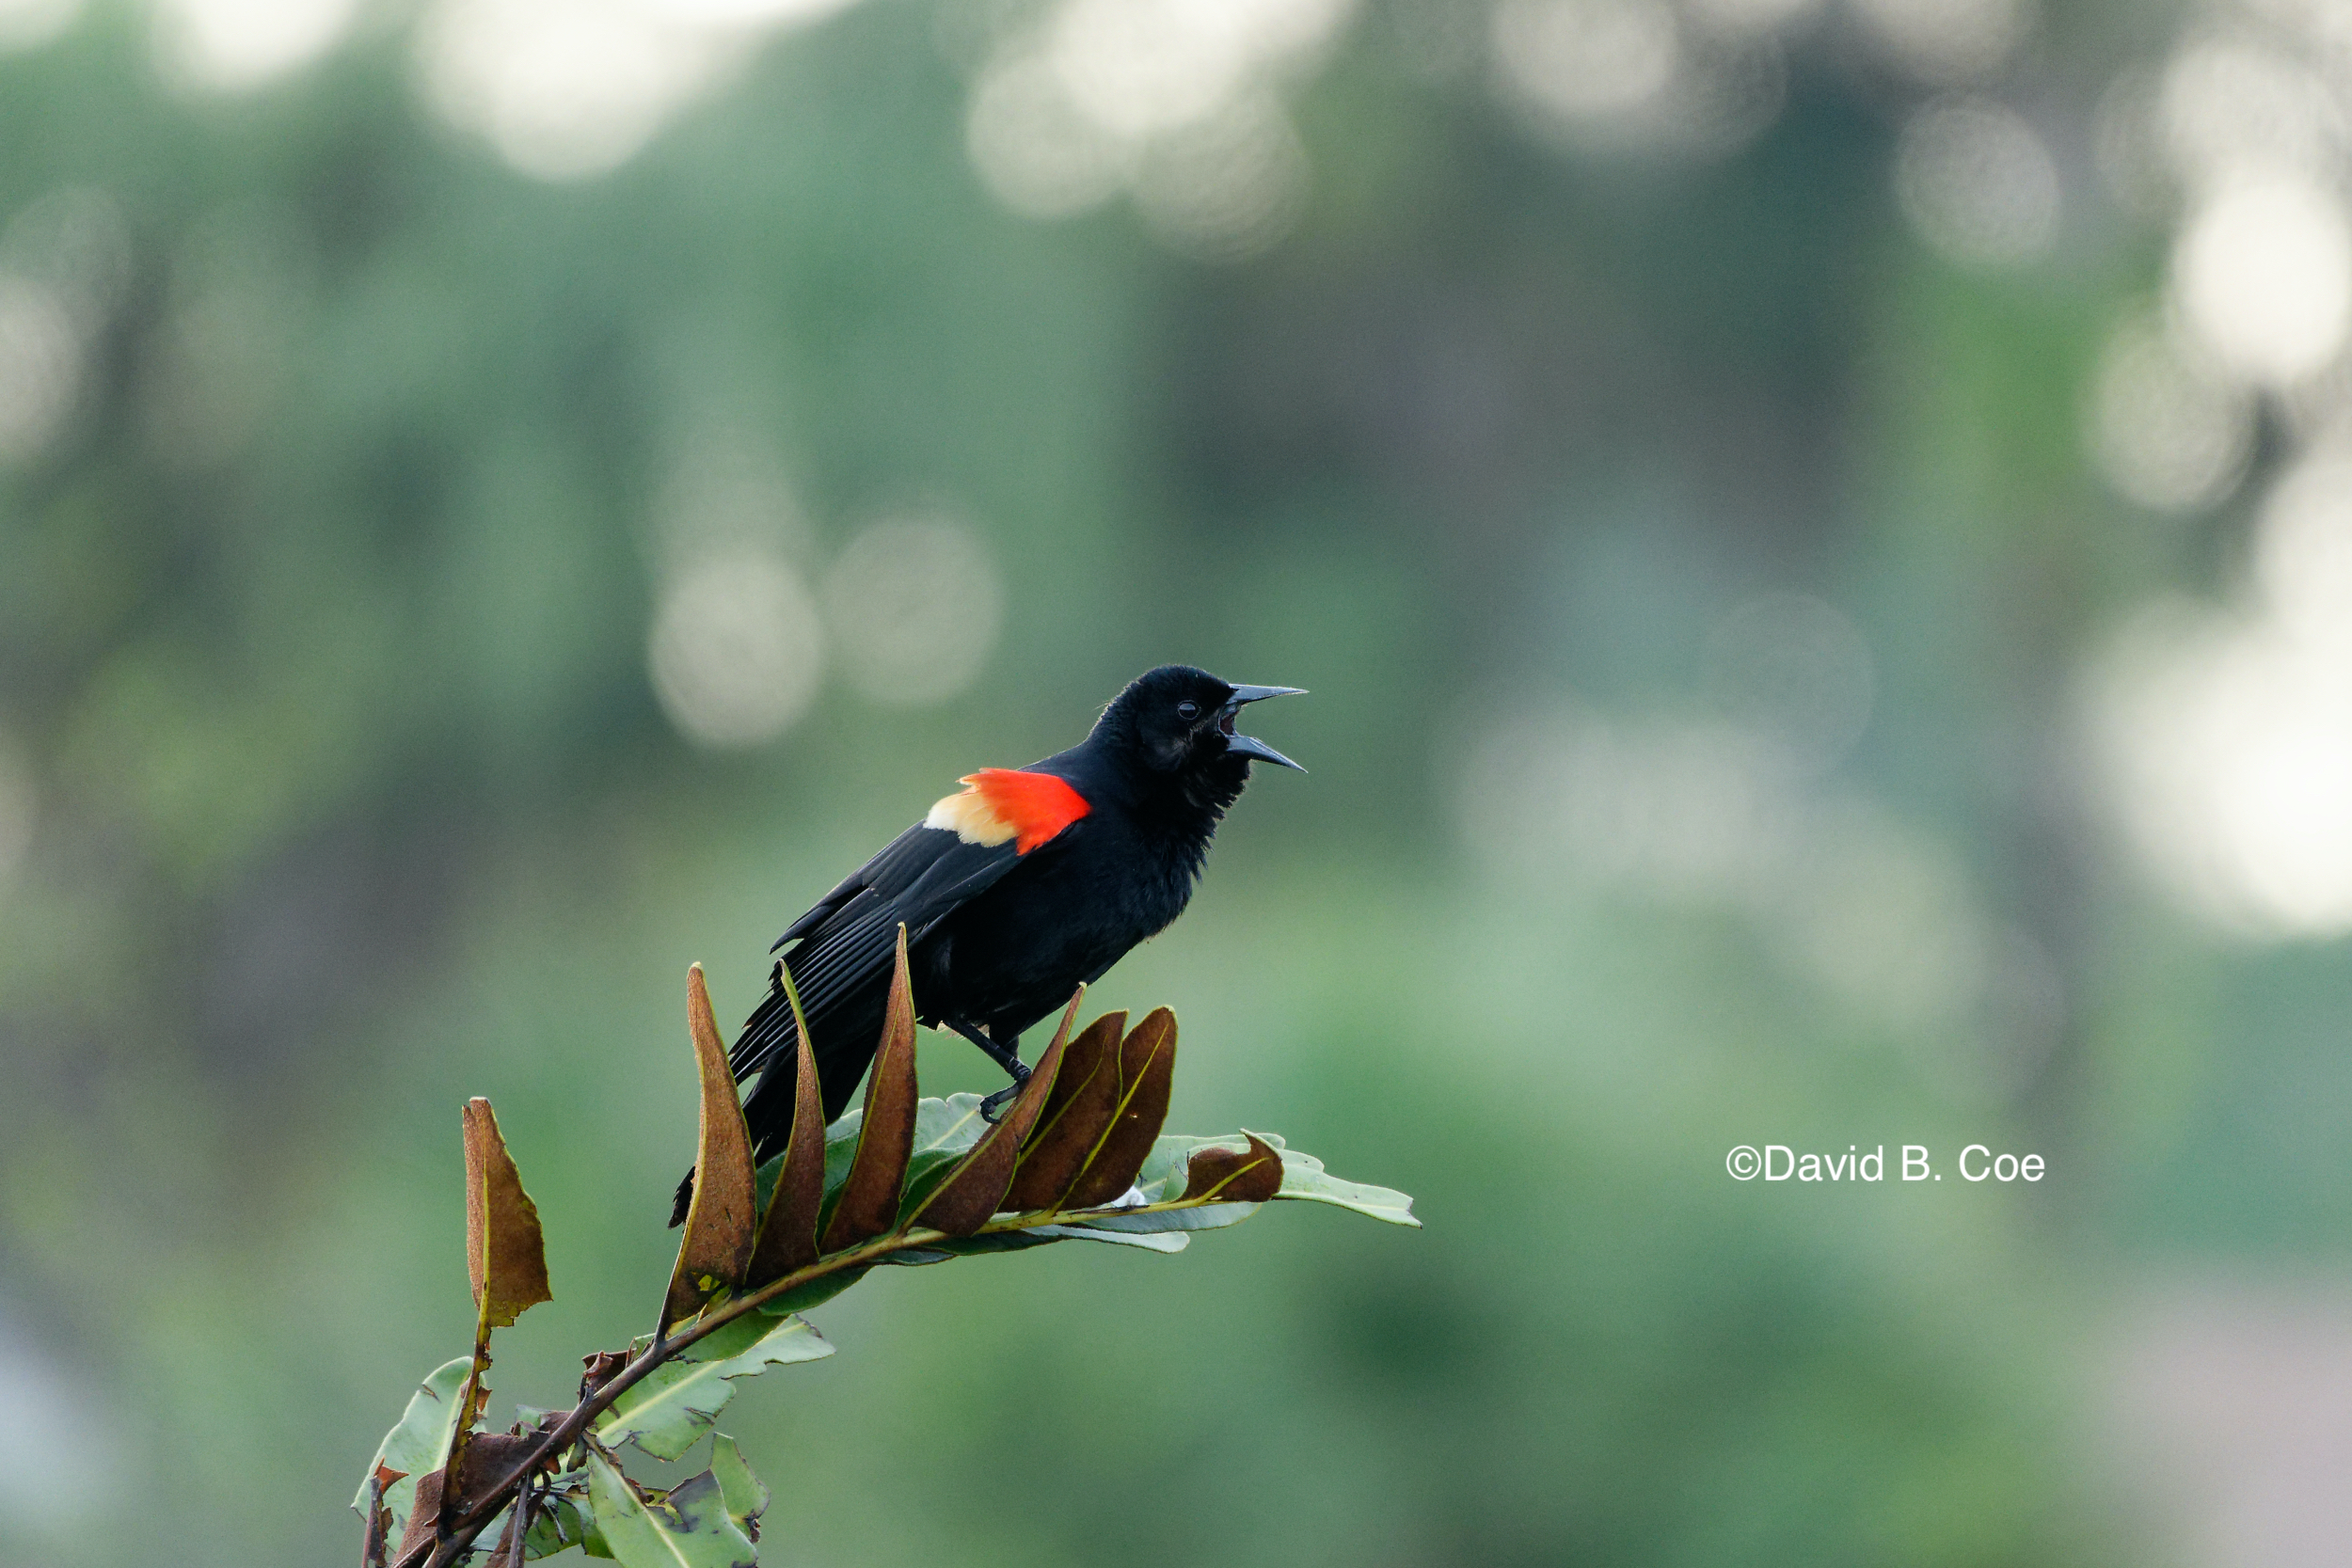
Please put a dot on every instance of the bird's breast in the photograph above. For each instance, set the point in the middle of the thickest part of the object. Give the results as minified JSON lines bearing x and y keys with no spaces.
{"x":1064,"y":916}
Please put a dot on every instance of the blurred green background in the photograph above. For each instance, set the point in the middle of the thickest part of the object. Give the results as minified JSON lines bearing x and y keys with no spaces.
{"x":1821,"y":538}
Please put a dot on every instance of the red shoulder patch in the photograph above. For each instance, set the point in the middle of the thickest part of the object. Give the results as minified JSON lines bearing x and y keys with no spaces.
{"x":998,"y":803}
{"x":1039,"y":805}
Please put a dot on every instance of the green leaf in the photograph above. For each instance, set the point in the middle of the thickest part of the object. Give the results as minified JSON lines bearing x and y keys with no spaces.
{"x":689,"y":1528}
{"x":841,"y":1148}
{"x":559,"y":1522}
{"x":1303,"y":1177}
{"x":816,"y":1292}
{"x":1170,"y":1240}
{"x":1204,"y":1216}
{"x":949,"y":1126}
{"x":1046,"y":1235}
{"x":995,"y":1240}
{"x":418,"y":1443}
{"x":746,"y":1495}
{"x":915,"y":1258}
{"x":678,"y":1400}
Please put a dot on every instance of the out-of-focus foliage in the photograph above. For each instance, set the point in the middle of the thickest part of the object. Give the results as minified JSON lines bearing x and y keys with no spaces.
{"x":1759,"y":491}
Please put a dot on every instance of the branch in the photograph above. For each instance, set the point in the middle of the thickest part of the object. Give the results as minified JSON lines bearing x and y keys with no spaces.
{"x":1060,"y":1165}
{"x":462,"y":1529}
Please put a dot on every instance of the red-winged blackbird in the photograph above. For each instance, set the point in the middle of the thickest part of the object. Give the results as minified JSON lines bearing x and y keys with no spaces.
{"x":1013,"y":891}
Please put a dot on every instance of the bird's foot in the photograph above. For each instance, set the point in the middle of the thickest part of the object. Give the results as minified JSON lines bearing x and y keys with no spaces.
{"x":994,"y":1106}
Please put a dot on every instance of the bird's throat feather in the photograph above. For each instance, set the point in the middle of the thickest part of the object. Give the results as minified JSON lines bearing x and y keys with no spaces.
{"x":1000,"y":804}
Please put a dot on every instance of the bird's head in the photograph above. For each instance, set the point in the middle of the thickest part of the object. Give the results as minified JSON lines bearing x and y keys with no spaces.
{"x":1177,"y":721}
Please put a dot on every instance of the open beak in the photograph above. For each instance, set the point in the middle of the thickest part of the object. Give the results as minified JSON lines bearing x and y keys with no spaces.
{"x":1250,"y":746}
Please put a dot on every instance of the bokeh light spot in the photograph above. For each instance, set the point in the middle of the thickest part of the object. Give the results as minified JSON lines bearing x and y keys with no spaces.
{"x":2263,"y":273}
{"x":1679,"y":811}
{"x":1140,"y":67}
{"x":1586,"y":59}
{"x":2231,"y":751}
{"x":1750,"y":16}
{"x":1227,"y":188}
{"x":1882,"y":915}
{"x":30,"y":24}
{"x":1946,"y":40}
{"x":915,"y":606}
{"x":735,"y":652}
{"x":2226,"y":105}
{"x":1037,"y":152}
{"x":1795,"y":668}
{"x":1977,"y":183}
{"x":2164,"y":426}
{"x":1173,"y":102}
{"x":568,"y":89}
{"x":2303,"y":555}
{"x":238,"y":45}
{"x":41,"y":368}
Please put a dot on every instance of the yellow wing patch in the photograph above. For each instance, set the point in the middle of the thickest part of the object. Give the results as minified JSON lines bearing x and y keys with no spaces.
{"x":972,"y":817}
{"x":998,"y":803}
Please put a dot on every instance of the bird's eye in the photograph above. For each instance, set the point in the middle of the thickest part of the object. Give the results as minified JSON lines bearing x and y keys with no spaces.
{"x":1187,"y":710}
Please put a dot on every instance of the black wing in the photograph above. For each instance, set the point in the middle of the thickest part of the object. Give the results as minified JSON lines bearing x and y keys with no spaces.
{"x":917,"y":881}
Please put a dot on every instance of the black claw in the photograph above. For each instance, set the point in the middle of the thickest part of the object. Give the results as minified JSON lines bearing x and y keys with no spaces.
{"x":994,"y":1106}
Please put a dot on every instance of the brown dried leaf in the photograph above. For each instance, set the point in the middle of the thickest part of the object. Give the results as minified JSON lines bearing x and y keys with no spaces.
{"x":490,"y":1457}
{"x":1234,"y":1176}
{"x":869,"y":1205}
{"x":787,"y":1236}
{"x":424,"y":1517}
{"x":720,"y":1220}
{"x":602,"y":1367}
{"x":506,"y":1257}
{"x":972,"y":1192}
{"x":1147,"y":1073}
{"x":1084,"y":1098}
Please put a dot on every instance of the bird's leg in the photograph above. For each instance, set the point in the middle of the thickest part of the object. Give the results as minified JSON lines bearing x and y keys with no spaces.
{"x":1006,"y":1055}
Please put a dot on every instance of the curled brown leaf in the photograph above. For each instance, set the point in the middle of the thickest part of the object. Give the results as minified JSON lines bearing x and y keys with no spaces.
{"x":721,"y":1220}
{"x":506,"y":1257}
{"x":1084,"y":1098}
{"x":868,"y":1204}
{"x":973,"y":1190}
{"x":600,"y":1368}
{"x":1234,"y":1176}
{"x":1147,"y":1073}
{"x":489,"y":1459}
{"x":787,"y":1235}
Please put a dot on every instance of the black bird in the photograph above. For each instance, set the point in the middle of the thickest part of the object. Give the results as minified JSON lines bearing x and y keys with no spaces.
{"x":1013,"y":891}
